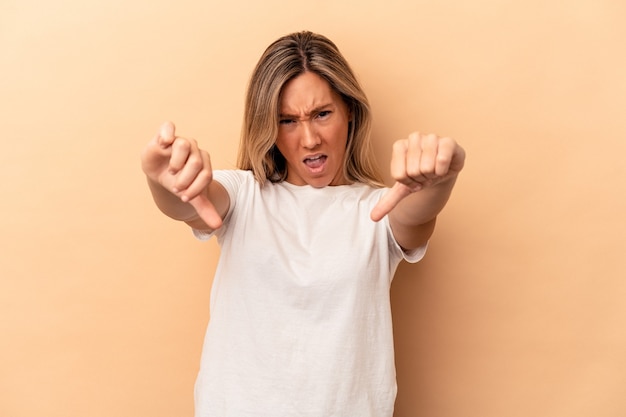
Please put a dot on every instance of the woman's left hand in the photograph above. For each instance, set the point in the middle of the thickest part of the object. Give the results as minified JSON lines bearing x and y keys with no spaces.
{"x":418,"y":162}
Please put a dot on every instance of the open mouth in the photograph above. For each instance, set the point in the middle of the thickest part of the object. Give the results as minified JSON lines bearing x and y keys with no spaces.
{"x":315,"y":162}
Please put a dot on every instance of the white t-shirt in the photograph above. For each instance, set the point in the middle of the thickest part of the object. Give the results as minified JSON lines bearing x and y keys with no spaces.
{"x":300,"y":321}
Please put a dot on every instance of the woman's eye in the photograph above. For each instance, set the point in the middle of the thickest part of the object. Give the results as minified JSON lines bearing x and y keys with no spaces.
{"x":285,"y":121}
{"x":323,"y":114}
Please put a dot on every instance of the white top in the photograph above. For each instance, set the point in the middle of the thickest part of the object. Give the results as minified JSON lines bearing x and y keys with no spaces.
{"x":300,"y":312}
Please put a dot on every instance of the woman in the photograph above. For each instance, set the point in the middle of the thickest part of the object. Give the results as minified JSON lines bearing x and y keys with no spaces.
{"x":310,"y":239}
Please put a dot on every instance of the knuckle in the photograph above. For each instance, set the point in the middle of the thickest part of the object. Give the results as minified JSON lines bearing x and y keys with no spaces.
{"x":413,"y":171}
{"x":205,"y":175}
{"x":181,"y":185}
{"x":443,"y":158}
{"x":414,"y":136}
{"x":195,"y":163}
{"x":180,"y":143}
{"x":400,"y":145}
{"x":183,"y":144}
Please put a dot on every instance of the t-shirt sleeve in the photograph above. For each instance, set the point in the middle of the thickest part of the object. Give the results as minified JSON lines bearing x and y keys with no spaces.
{"x":415,"y":255}
{"x":411,"y":256}
{"x":202,"y":235}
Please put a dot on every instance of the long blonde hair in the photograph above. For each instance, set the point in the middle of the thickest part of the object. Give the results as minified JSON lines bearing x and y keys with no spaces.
{"x":283,"y":60}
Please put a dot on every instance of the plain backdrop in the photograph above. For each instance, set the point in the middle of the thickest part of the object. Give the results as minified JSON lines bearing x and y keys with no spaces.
{"x":518,"y":308}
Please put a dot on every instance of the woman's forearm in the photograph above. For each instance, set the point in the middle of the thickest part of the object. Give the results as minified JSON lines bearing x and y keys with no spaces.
{"x":170,"y":204}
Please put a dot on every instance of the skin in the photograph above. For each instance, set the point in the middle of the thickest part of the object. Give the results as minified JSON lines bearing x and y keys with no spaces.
{"x":312,"y":138}
{"x":313,"y":127}
{"x":425,"y":168}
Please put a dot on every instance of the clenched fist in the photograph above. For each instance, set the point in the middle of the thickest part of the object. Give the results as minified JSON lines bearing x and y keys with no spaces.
{"x":179,"y":166}
{"x":418,"y":162}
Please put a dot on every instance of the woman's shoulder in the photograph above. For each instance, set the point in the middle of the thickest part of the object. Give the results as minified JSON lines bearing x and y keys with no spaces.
{"x":233,"y":178}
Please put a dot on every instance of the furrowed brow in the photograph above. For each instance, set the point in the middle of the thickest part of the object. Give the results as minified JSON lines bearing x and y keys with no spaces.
{"x":308,"y":114}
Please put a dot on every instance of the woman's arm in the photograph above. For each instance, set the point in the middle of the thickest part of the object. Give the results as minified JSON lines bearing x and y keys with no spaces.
{"x":181,"y":180}
{"x":425,"y":168}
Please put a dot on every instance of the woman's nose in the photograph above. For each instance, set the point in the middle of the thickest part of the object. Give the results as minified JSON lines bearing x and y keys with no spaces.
{"x":309,"y":137}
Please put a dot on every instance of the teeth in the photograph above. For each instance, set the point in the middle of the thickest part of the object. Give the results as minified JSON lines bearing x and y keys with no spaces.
{"x":314,"y":159}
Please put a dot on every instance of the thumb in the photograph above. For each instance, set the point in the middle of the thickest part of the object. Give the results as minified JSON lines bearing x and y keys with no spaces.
{"x":207,"y":212}
{"x":167,"y":134}
{"x":389,"y":201}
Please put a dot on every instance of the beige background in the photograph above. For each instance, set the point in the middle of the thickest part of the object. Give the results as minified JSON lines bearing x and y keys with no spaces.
{"x":519,"y":308}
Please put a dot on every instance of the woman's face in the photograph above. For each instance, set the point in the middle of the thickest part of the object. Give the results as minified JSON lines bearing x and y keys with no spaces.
{"x":313,"y":131}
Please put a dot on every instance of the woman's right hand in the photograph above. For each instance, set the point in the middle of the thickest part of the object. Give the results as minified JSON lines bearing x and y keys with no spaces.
{"x":179,"y":166}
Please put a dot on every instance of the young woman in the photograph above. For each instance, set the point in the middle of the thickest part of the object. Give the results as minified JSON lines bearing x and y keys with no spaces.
{"x":310,"y":239}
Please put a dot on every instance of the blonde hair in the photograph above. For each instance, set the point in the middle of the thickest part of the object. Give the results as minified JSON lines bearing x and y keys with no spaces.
{"x":283,"y":60}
